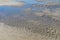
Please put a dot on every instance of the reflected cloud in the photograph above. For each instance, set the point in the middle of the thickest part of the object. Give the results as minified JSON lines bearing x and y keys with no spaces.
{"x":39,"y":14}
{"x":27,"y":10}
{"x":11,"y":3}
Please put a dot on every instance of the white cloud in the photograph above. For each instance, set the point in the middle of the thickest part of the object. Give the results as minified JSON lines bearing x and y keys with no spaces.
{"x":11,"y":3}
{"x":53,"y":3}
{"x":43,"y":0}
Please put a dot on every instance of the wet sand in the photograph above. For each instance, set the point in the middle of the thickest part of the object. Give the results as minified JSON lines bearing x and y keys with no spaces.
{"x":13,"y":33}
